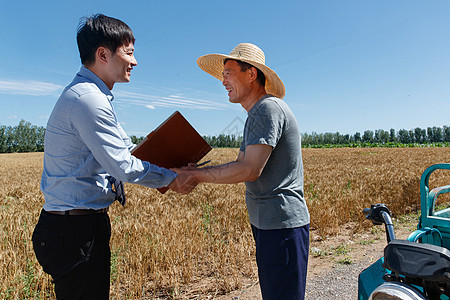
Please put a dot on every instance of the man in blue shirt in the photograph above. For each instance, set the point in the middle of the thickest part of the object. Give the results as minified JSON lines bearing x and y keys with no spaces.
{"x":87,"y":154}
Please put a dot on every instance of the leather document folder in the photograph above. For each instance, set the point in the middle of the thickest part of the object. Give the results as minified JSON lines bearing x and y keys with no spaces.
{"x":174,"y":144}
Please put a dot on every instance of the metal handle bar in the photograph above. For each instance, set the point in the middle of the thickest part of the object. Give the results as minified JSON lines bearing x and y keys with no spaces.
{"x":380,"y":214}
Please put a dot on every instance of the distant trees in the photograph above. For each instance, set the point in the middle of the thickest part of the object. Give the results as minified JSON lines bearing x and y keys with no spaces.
{"x":24,"y":137}
{"x":418,"y":136}
{"x":136,"y":140}
{"x":224,"y":141}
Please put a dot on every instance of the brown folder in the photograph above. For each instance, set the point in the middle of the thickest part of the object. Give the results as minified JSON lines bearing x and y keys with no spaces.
{"x":174,"y":144}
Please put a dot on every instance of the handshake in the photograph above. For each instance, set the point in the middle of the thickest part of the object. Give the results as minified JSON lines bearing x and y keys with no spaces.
{"x":247,"y":167}
{"x":187,"y":178}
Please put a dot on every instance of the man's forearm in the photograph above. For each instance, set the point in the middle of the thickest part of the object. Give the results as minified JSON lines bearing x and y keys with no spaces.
{"x":247,"y":167}
{"x":232,"y":172}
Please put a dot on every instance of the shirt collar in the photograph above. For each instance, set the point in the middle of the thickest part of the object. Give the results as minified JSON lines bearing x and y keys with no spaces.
{"x":257,"y":104}
{"x":91,"y":76}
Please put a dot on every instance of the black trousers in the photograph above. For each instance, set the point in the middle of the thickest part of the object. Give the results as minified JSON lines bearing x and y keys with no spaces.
{"x":75,"y":251}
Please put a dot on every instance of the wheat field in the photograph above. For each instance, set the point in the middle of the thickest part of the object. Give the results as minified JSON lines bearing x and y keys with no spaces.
{"x":199,"y":245}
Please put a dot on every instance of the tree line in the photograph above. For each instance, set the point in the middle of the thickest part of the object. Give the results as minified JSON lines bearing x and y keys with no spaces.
{"x":26,"y":137}
{"x":224,"y":141}
{"x":418,"y":136}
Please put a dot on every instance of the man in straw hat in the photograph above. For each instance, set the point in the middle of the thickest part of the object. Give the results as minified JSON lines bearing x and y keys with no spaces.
{"x":270,"y":164}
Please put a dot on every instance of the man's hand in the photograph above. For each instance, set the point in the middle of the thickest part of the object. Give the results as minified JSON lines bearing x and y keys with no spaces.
{"x":185,"y":181}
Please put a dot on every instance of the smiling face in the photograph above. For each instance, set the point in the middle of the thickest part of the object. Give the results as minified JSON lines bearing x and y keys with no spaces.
{"x":236,"y":82}
{"x":120,"y":65}
{"x":124,"y":61}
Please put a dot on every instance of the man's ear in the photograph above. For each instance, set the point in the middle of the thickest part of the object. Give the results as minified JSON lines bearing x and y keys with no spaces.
{"x":253,"y":73}
{"x":102,"y":54}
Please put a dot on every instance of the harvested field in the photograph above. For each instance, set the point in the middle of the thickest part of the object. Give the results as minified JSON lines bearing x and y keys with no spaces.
{"x":200,"y":245}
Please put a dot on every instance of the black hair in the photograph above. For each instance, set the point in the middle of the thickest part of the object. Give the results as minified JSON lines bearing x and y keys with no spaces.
{"x":245,"y":66}
{"x":100,"y":30}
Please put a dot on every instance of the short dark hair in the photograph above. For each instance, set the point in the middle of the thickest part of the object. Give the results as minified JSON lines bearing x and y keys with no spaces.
{"x":245,"y":66}
{"x":100,"y":30}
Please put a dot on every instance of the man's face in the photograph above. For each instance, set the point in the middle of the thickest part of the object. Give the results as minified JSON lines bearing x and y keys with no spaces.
{"x":122,"y":62}
{"x":235,"y":81}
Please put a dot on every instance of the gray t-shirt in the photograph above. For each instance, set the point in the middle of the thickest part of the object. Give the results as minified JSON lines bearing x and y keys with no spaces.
{"x":275,"y":200}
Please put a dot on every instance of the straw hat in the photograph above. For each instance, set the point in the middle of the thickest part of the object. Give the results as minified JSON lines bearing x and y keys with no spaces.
{"x":249,"y":53}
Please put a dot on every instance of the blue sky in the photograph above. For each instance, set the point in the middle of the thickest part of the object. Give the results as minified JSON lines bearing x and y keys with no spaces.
{"x":347,"y":66}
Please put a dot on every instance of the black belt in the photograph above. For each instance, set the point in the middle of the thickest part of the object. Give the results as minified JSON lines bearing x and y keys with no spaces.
{"x":78,"y":212}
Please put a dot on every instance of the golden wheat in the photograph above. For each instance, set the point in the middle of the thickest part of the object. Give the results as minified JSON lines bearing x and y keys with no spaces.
{"x":339,"y":183}
{"x":192,"y":246}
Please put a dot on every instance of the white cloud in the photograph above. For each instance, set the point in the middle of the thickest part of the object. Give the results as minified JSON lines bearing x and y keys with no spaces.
{"x":28,"y":87}
{"x":172,"y":100}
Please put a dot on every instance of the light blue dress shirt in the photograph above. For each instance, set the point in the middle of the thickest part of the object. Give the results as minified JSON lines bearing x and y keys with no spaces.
{"x":86,"y":148}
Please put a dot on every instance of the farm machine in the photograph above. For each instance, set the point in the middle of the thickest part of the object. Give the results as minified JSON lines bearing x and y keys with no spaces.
{"x":418,"y":267}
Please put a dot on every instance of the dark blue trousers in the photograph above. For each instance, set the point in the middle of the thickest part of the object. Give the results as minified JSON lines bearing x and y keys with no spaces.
{"x":282,"y":259}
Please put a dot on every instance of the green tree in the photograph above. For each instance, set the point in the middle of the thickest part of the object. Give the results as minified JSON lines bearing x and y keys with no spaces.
{"x":438,"y":134}
{"x":403,"y":136}
{"x":419,"y":135}
{"x":3,"y":132}
{"x":384,"y":136}
{"x":392,"y":135}
{"x":25,"y":136}
{"x":136,"y":140}
{"x":357,"y":137}
{"x":40,"y":139}
{"x":430,"y":135}
{"x":367,"y":136}
{"x":327,"y":138}
{"x":446,"y":134}
{"x":337,"y":138}
{"x":411,"y":136}
{"x":345,"y":139}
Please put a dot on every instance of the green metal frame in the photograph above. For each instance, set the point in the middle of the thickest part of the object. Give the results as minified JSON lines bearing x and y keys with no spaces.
{"x":434,"y":226}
